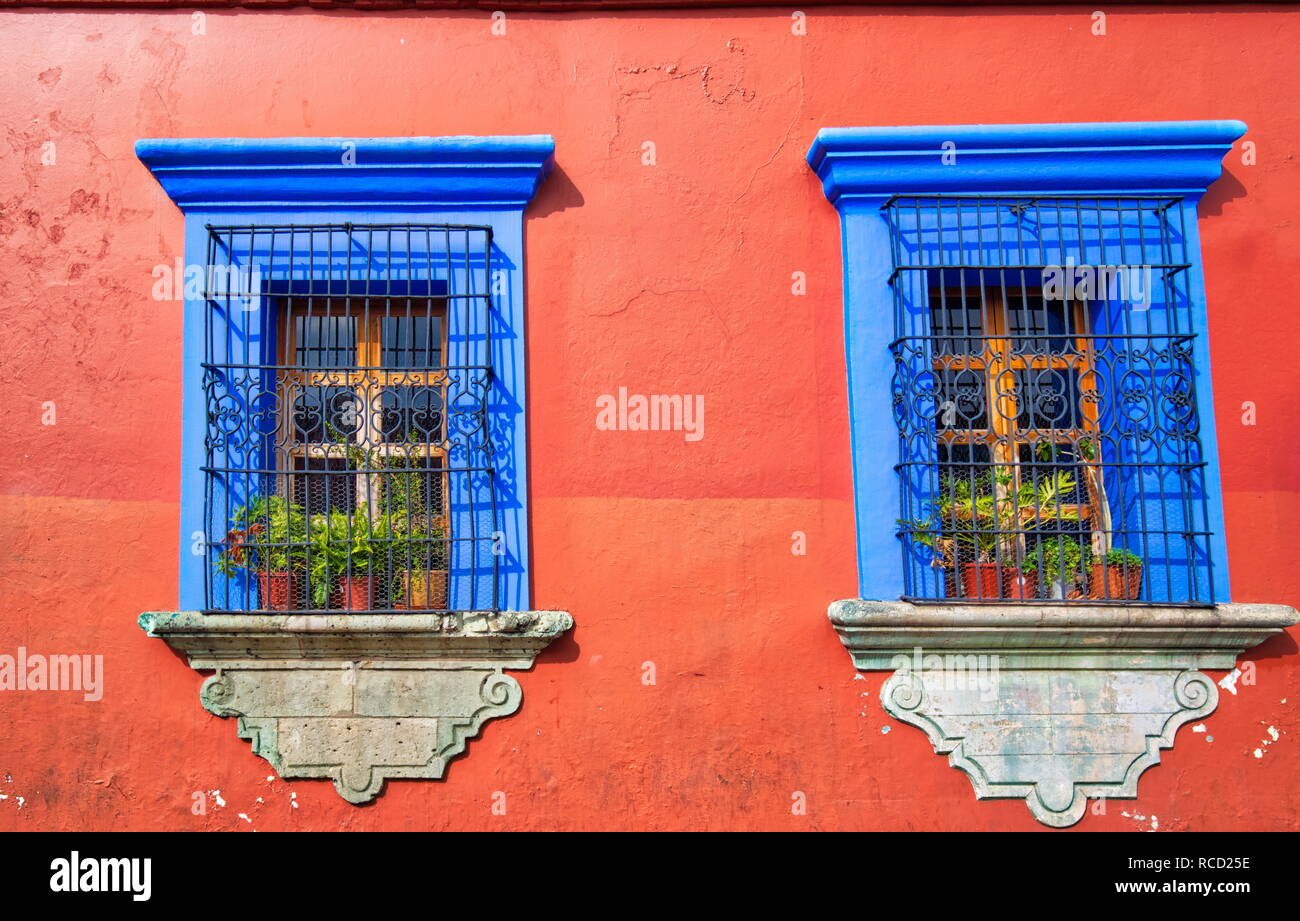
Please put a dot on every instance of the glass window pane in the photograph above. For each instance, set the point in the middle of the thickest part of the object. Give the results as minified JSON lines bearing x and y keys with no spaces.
{"x":956,"y":324}
{"x":325,"y":342}
{"x":1049,"y":399}
{"x":966,"y":468}
{"x":961,"y":399}
{"x":1039,"y":327}
{"x":965,"y":471}
{"x":325,"y":415}
{"x":411,"y":342}
{"x":411,"y":415}
{"x":323,"y":484}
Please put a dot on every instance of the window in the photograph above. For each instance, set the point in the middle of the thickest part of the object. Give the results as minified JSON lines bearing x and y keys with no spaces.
{"x":1010,"y":368}
{"x":1027,"y":326}
{"x":294,"y":248}
{"x":359,"y":377}
{"x":354,"y":431}
{"x":349,"y":465}
{"x":1045,"y":400}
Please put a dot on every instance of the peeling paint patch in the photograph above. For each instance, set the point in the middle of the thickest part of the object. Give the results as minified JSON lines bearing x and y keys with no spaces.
{"x":1229,"y":681}
{"x":20,"y":801}
{"x":1139,"y":817}
{"x":1199,"y":727}
{"x":216,"y":797}
{"x":293,"y":800}
{"x":1273,"y":736}
{"x":884,"y":730}
{"x":245,"y":818}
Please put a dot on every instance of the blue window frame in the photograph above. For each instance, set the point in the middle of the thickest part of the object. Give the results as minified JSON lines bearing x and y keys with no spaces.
{"x":382,"y":281}
{"x":963,"y":351}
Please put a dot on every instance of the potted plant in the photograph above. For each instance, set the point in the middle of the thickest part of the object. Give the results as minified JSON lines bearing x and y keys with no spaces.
{"x":327,"y":534}
{"x":418,"y":547}
{"x":962,"y":531}
{"x":343,"y":556}
{"x":359,"y":560}
{"x":1037,"y":506}
{"x":267,"y":537}
{"x":978,"y":524}
{"x":1021,"y":581}
{"x":1116,"y":576}
{"x":1062,"y":562}
{"x":422,"y":569}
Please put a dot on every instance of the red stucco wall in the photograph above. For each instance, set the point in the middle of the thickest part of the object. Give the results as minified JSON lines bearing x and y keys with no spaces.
{"x":672,"y":278}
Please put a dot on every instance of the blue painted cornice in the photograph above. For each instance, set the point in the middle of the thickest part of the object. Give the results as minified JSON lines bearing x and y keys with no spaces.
{"x":1167,"y":158}
{"x":259,"y":174}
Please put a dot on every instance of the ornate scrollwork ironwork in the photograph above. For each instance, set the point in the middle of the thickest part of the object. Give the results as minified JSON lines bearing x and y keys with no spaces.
{"x":349,"y":447}
{"x":1048,"y":434}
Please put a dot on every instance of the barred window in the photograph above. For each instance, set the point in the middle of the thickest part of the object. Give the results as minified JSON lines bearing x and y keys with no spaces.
{"x":1045,"y":398}
{"x":348,"y":453}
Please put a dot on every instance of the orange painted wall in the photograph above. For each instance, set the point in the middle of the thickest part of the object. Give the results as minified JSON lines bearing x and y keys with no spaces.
{"x":672,"y":278}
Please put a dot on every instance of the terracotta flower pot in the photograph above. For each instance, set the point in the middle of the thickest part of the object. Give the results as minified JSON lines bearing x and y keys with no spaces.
{"x":424,"y":589}
{"x":980,"y":581}
{"x":279,"y":589}
{"x":357,"y":593}
{"x":1018,"y":584}
{"x":1114,"y":583}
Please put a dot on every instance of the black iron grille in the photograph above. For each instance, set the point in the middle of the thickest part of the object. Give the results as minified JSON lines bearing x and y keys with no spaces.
{"x":348,"y":453}
{"x":1045,"y":397}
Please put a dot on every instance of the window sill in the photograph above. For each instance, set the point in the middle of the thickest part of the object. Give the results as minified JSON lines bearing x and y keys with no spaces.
{"x":359,"y":698}
{"x":1052,"y":704}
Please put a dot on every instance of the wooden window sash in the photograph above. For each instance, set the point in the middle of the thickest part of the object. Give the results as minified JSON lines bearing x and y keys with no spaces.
{"x":367,"y":380}
{"x":1004,"y":435}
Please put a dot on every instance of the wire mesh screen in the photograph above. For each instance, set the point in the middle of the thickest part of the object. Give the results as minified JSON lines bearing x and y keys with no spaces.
{"x":1045,"y":398}
{"x":348,"y":452}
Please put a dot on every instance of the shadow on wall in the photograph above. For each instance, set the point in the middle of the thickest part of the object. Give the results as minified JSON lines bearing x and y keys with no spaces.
{"x":562,"y":649}
{"x":557,"y":193}
{"x":1275,"y":647}
{"x":1225,"y":189}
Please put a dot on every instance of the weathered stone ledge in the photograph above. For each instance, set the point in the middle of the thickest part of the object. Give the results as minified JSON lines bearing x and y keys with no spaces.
{"x":1196,"y":637}
{"x":1053,"y":704}
{"x":359,"y":698}
{"x":511,"y":638}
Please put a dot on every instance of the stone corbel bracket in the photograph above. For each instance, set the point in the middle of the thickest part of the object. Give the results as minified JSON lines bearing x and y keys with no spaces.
{"x":1051,"y":704}
{"x":359,"y":698}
